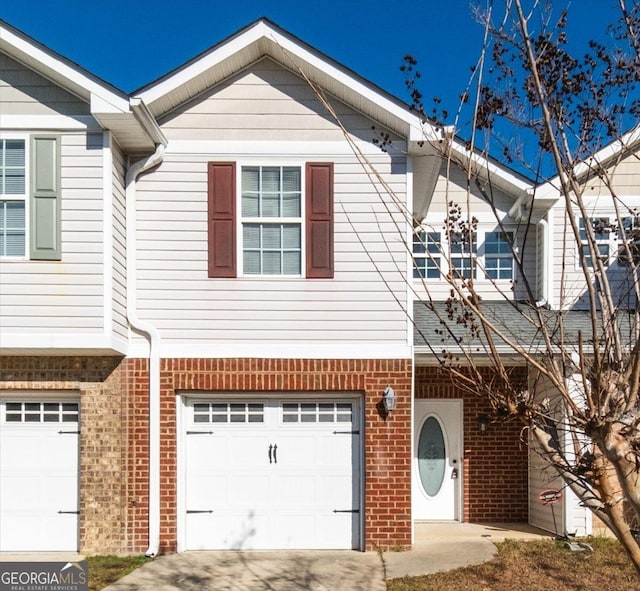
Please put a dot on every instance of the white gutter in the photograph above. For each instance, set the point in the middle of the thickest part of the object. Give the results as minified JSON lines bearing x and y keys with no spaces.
{"x":153,"y":336}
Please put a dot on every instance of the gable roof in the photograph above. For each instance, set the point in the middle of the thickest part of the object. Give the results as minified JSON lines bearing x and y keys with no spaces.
{"x":264,"y":38}
{"x":130,"y":122}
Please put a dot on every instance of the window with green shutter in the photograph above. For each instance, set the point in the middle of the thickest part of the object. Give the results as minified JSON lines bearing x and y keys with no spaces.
{"x":30,"y":197}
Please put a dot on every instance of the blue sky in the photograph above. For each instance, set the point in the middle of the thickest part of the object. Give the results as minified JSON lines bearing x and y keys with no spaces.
{"x":131,"y":42}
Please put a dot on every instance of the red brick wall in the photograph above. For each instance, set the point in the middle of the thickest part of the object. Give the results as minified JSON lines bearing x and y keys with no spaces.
{"x":387,"y":447}
{"x":495,"y":486}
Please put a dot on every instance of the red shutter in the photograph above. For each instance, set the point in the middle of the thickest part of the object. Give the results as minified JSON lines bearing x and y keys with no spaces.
{"x":222,"y":223}
{"x":319,"y":206}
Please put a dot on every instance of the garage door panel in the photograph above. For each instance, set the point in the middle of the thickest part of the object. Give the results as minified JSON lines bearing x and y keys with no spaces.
{"x":296,"y":491}
{"x":279,"y":474}
{"x":38,"y":475}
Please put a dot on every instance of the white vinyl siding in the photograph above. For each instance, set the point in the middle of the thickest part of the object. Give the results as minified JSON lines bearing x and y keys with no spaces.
{"x":175,"y":292}
{"x":541,"y":475}
{"x":451,"y":189}
{"x":265,"y":102}
{"x":263,"y":105}
{"x":63,"y":297}
{"x":23,"y":92}
{"x":119,"y":296}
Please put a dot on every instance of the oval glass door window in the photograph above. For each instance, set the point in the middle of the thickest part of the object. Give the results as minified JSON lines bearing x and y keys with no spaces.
{"x":431,"y":456}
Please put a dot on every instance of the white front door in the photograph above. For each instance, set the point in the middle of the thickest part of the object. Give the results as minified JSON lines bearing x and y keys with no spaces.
{"x":38,"y":475}
{"x":437,"y":460}
{"x":272,"y":474}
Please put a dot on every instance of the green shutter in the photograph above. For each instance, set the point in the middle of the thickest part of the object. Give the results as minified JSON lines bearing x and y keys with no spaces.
{"x":45,"y":198}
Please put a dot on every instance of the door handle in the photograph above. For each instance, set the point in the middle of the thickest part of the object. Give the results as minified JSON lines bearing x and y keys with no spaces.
{"x":270,"y":448}
{"x":454,"y":473}
{"x":275,"y":453}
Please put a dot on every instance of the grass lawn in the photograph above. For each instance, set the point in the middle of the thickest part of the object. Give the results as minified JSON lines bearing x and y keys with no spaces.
{"x":536,"y":566}
{"x":104,"y":570}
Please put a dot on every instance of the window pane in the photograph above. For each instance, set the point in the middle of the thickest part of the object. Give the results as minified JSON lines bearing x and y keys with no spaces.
{"x":250,"y":179}
{"x":250,"y":206}
{"x":291,"y":263}
{"x":251,"y":236}
{"x":12,"y":228}
{"x":270,"y":179}
{"x":291,"y":206}
{"x":271,"y":236}
{"x":12,"y":172}
{"x":270,"y":206}
{"x":291,"y":236}
{"x":271,"y":263}
{"x":290,"y":179}
{"x":14,"y":153}
{"x":251,"y":262}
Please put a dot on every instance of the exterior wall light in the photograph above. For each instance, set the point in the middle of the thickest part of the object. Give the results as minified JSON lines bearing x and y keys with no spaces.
{"x":483,"y":423}
{"x":389,"y":399}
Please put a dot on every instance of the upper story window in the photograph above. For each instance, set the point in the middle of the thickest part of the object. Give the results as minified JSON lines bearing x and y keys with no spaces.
{"x":271,"y":220}
{"x":30,"y":197}
{"x":610,"y":239}
{"x":283,"y":216}
{"x":12,"y":197}
{"x":489,"y":251}
{"x":498,"y":255}
{"x":426,"y":254}
{"x":602,"y":234}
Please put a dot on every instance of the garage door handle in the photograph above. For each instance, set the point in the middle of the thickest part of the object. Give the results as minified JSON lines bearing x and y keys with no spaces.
{"x":68,"y":512}
{"x":273,"y":459}
{"x":199,"y":511}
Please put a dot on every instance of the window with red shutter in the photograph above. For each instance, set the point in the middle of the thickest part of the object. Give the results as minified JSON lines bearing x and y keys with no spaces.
{"x":271,"y":220}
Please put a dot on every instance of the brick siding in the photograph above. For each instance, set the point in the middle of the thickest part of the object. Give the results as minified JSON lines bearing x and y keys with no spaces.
{"x":387,"y":451}
{"x":495,"y":485}
{"x":97,"y":382}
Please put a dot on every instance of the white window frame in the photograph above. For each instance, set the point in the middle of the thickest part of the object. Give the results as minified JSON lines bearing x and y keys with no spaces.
{"x":611,"y":241}
{"x":430,"y":258}
{"x":241,"y":220}
{"x":24,"y":198}
{"x":479,"y":253}
{"x":500,"y":256}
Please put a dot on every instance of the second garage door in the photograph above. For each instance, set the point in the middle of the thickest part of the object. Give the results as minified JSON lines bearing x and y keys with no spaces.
{"x":272,"y":474}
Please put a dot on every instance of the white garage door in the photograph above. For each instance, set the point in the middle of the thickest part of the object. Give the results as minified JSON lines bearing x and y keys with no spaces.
{"x":272,"y":474}
{"x":38,"y":475}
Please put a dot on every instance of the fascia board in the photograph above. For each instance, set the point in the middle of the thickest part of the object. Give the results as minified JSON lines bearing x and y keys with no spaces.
{"x":506,"y":180}
{"x":57,"y":70}
{"x":207,"y":61}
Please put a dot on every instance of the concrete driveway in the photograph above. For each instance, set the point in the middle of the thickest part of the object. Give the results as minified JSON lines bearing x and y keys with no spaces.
{"x":437,"y":547}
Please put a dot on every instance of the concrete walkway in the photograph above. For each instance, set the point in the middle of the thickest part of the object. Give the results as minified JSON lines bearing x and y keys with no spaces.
{"x":437,"y":547}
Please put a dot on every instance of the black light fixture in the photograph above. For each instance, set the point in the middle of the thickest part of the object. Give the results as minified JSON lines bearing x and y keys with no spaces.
{"x":389,"y":399}
{"x":483,"y":423}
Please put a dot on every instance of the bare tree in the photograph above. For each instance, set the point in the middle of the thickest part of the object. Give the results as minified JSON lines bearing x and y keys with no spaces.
{"x":581,"y":406}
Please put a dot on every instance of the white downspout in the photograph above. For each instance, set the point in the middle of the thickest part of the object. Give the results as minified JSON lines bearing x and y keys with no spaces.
{"x":546,"y":263}
{"x":153,"y":336}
